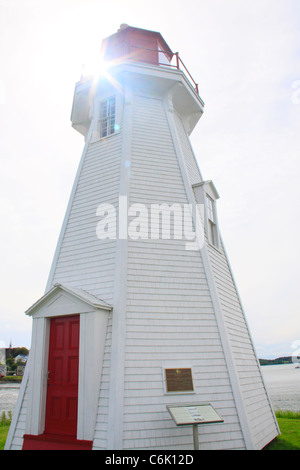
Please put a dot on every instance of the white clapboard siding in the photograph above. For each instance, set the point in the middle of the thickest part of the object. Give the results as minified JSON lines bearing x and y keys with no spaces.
{"x":250,"y":378}
{"x":168,"y":295}
{"x":18,"y":427}
{"x":258,"y":408}
{"x":171,"y":307}
{"x":188,"y":155}
{"x":255,"y":396}
{"x":85,"y":261}
{"x":101,"y":425}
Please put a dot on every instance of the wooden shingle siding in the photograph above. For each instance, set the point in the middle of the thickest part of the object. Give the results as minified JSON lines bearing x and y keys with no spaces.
{"x":168,"y":307}
{"x":20,"y":429}
{"x":101,"y":424}
{"x":170,"y":316}
{"x":85,"y":261}
{"x":252,"y":387}
{"x":254,"y":394}
{"x":190,"y":161}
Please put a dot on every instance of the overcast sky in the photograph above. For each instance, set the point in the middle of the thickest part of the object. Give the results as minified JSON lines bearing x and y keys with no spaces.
{"x":245,"y":56}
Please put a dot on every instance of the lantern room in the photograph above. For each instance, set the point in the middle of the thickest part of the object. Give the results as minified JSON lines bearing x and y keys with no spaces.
{"x":137,"y":45}
{"x":144,"y":57}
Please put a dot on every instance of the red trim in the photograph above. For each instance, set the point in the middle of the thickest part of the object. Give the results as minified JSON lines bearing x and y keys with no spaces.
{"x":54,"y":442}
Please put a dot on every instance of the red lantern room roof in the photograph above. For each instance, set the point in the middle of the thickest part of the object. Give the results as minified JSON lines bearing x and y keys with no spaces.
{"x":138,"y":45}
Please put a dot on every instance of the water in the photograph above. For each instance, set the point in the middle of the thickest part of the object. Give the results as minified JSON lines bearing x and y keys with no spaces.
{"x":283,"y":385}
{"x":282,"y":382}
{"x":8,"y":396}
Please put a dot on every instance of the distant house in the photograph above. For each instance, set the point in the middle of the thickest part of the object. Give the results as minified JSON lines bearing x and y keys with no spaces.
{"x":20,"y":370}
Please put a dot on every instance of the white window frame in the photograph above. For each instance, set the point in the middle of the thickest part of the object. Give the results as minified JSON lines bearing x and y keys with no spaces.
{"x":97,"y":120}
{"x":212,"y":227}
{"x":107,"y":117}
{"x":206,"y":194}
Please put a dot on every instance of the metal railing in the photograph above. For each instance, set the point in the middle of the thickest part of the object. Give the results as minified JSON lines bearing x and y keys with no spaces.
{"x":179,"y":65}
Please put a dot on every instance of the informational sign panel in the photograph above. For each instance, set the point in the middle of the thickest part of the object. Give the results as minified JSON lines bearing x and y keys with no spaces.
{"x":179,"y":380}
{"x":194,"y":413}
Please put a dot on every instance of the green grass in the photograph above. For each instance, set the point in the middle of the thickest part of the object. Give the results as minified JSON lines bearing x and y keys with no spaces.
{"x":4,"y":427}
{"x":12,"y":378}
{"x":3,"y":434}
{"x":288,"y":414}
{"x":289,"y":424}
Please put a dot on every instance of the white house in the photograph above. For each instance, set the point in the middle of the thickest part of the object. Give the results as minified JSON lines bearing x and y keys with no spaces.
{"x":141,"y":310}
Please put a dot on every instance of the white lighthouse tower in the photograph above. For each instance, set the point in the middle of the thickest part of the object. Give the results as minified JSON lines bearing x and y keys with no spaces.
{"x":141,"y":314}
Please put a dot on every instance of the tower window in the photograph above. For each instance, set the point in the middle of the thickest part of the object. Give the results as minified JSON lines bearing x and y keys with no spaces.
{"x":212,"y":226}
{"x":210,"y":208}
{"x":107,"y":116}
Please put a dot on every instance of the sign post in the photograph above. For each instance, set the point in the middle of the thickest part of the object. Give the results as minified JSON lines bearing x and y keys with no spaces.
{"x":195,"y":437}
{"x":194,"y":414}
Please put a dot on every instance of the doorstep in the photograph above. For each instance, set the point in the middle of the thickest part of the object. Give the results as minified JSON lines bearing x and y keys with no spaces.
{"x":54,"y":442}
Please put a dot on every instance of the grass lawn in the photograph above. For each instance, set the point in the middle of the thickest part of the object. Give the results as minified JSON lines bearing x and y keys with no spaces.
{"x":3,"y":433}
{"x":289,"y":424}
{"x":12,"y":378}
{"x":4,"y":427}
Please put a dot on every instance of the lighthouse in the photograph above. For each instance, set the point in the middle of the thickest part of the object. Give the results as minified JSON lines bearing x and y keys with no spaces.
{"x":140,"y":340}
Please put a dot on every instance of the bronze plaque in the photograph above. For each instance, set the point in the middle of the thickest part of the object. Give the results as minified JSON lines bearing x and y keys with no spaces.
{"x":179,"y":380}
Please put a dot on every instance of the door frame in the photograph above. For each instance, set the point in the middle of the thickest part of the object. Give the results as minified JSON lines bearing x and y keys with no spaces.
{"x":93,"y":325}
{"x":62,"y":389}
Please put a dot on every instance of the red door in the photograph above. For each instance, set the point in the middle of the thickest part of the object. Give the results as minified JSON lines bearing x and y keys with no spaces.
{"x":62,"y":388}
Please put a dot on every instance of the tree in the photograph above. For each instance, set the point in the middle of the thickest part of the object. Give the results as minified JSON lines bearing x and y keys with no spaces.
{"x":10,"y":362}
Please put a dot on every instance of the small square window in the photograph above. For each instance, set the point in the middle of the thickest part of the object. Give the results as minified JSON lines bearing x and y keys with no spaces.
{"x":107,"y":117}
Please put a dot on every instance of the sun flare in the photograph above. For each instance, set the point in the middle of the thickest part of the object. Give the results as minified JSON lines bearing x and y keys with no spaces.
{"x":95,"y":70}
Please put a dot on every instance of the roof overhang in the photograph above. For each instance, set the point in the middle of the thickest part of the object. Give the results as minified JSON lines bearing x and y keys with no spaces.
{"x":66,"y":300}
{"x":142,"y":78}
{"x":209,"y":187}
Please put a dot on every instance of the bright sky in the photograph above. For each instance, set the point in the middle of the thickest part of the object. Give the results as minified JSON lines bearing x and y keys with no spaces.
{"x":245,"y":55}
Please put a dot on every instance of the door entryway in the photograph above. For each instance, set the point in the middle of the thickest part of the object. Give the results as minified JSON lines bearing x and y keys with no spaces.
{"x":62,"y":381}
